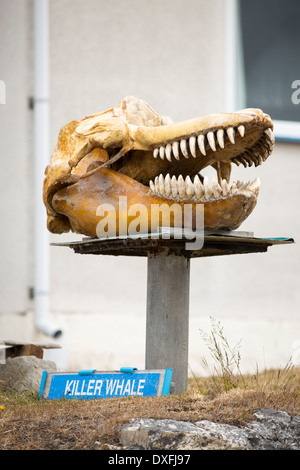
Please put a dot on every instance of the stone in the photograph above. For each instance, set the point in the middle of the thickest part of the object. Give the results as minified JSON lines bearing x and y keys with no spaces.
{"x":24,"y":373}
{"x":171,"y":434}
{"x":272,"y":430}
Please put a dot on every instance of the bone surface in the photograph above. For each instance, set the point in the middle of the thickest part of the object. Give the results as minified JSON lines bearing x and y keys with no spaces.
{"x":131,"y":150}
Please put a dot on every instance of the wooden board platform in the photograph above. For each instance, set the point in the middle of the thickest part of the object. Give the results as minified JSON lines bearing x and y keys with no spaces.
{"x":18,"y":348}
{"x":215,"y":244}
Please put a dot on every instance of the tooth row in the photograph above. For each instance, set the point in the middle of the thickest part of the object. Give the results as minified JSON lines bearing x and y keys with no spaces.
{"x":188,"y":147}
{"x":186,"y":189}
{"x":259,"y":152}
{"x":256,"y":155}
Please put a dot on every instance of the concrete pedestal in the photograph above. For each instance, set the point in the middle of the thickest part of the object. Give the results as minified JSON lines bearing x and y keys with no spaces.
{"x":167,"y":327}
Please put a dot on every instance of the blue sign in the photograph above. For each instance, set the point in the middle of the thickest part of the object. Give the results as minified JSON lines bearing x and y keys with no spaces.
{"x":91,"y":384}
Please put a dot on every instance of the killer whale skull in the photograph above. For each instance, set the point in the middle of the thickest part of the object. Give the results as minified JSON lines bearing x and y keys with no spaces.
{"x":132,"y":151}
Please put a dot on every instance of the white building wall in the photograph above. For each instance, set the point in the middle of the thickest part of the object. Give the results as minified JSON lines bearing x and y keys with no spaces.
{"x":16,"y":161}
{"x":173,"y":55}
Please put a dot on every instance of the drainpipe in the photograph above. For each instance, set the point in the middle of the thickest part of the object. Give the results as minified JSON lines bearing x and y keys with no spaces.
{"x":231,"y":55}
{"x":41,"y":156}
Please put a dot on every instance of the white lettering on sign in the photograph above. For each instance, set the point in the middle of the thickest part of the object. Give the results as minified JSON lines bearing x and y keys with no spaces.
{"x":98,"y":387}
{"x":122,"y":387}
{"x":113,"y":387}
{"x":76,"y":387}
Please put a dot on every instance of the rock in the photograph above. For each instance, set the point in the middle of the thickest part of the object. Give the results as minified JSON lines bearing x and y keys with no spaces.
{"x":272,"y":430}
{"x":24,"y":373}
{"x":170,"y":434}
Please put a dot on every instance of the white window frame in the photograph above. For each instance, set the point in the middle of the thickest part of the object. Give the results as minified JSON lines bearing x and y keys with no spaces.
{"x":287,"y":131}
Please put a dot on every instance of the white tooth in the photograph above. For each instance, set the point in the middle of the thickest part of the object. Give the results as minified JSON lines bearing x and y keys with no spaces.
{"x":266,"y":153}
{"x":175,"y":148}
{"x":168,"y":185}
{"x":248,"y":156}
{"x":243,"y":161}
{"x":155,"y":153}
{"x":201,"y":143}
{"x":234,"y":188}
{"x":231,"y":134}
{"x":198,"y":187}
{"x":216,"y":188}
{"x":211,"y":140}
{"x":193,"y":146}
{"x":161,"y":183}
{"x":174,"y":186}
{"x":183,"y":148}
{"x":236,"y":161}
{"x":220,"y":137}
{"x":189,"y":187}
{"x":162,"y":152}
{"x":168,"y":152}
{"x":207,"y":188}
{"x":255,"y":157}
{"x":181,"y":187}
{"x":152,"y":187}
{"x":156,"y":184}
{"x":270,"y":135}
{"x":255,"y":186}
{"x":225,"y":187}
{"x":268,"y":146}
{"x":258,"y":157}
{"x":241,"y":130}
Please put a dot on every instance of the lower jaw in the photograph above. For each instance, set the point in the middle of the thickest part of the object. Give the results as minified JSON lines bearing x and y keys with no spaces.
{"x":123,"y":205}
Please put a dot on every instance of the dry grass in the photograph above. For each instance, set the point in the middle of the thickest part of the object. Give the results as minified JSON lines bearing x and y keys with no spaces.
{"x":27,"y":423}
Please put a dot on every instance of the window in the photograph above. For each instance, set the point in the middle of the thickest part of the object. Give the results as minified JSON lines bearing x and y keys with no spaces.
{"x":269,"y":69}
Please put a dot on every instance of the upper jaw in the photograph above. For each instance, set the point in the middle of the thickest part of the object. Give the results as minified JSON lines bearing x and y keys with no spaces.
{"x":181,"y":150}
{"x":244,"y":137}
{"x":149,"y":138}
{"x":202,"y":134}
{"x":185,"y":148}
{"x":166,"y":155}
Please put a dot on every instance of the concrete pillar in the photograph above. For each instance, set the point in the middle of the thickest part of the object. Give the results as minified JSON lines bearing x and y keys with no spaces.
{"x":167,"y":327}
